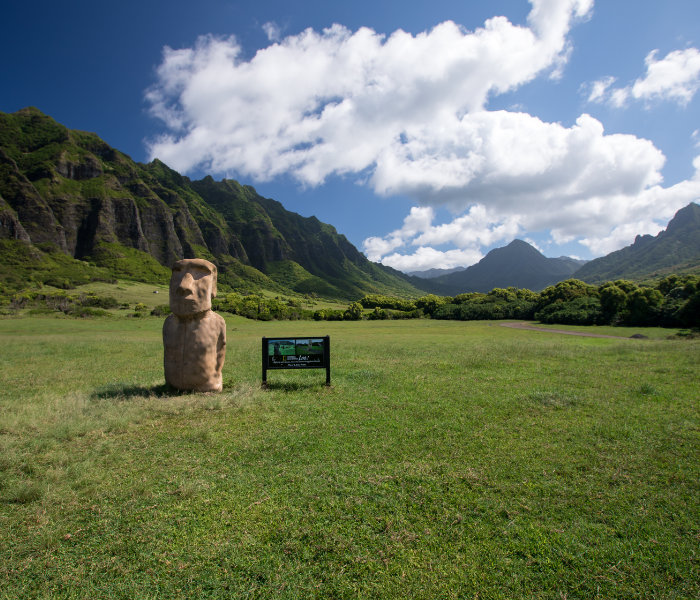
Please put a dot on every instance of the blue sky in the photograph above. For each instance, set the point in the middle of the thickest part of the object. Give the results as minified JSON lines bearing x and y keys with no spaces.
{"x":426,"y":132}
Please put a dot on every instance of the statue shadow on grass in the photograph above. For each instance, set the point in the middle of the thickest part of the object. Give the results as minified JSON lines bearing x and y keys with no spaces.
{"x":123,"y":391}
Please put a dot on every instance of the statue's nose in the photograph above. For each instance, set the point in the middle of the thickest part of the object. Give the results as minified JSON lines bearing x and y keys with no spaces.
{"x":186,"y":286}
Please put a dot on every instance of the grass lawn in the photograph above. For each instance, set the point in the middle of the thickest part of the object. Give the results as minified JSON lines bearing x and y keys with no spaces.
{"x":448,"y":460}
{"x":153,"y":294}
{"x":131,"y":292}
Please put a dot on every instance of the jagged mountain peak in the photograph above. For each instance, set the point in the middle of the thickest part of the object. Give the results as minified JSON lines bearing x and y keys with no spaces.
{"x":72,"y":191}
{"x":674,"y":250}
{"x":517,"y":264}
{"x":686,"y":217}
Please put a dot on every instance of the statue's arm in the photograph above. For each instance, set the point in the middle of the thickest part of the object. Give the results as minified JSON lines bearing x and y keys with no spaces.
{"x":221,"y":345}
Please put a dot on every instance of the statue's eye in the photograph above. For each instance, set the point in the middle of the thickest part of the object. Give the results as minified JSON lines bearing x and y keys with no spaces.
{"x":198,"y":273}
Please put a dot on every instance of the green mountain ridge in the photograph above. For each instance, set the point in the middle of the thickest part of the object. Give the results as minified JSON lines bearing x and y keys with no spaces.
{"x":518,"y":265}
{"x":73,"y":209}
{"x":674,"y":250}
{"x":67,"y":192}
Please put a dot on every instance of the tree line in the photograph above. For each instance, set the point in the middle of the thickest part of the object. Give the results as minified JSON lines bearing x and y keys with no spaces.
{"x":672,"y":302}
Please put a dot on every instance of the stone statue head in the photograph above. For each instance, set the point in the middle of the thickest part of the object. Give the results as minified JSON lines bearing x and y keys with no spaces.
{"x":192,"y":286}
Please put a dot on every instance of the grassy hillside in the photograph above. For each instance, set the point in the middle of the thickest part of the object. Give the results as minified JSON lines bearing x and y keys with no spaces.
{"x":68,"y":192}
{"x":674,"y":250}
{"x":447,"y":460}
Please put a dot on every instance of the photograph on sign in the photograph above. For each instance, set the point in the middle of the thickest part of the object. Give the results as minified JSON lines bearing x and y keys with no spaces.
{"x":295,"y":352}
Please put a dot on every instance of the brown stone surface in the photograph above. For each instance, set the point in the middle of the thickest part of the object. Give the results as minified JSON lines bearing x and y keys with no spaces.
{"x":194,"y":337}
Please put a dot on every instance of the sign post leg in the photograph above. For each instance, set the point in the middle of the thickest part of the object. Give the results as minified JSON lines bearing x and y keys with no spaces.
{"x":264,"y":362}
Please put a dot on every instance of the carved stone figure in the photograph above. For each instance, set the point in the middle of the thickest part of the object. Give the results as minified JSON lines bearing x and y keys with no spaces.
{"x":194,"y":337}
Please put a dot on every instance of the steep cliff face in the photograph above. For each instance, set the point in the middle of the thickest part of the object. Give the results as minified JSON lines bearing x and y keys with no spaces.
{"x":675,"y":250}
{"x":31,"y":209}
{"x":10,"y":226}
{"x":72,"y":191}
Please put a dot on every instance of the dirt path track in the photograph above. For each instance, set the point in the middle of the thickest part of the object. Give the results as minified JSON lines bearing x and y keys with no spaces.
{"x":564,"y":331}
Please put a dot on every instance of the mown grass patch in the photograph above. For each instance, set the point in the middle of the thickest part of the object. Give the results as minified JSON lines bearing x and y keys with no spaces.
{"x":447,"y":460}
{"x":654,"y":333}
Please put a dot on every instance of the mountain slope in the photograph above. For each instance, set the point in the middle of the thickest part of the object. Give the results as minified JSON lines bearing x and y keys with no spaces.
{"x":68,"y":191}
{"x":675,"y":250}
{"x":518,"y":264}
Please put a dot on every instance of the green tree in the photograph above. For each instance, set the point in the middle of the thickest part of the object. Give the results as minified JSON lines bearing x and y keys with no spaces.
{"x":431,"y":302}
{"x":353,"y":312}
{"x":566,"y":290}
{"x":689,"y":313}
{"x":643,"y":306}
{"x":613,"y":300}
{"x":509,"y":295}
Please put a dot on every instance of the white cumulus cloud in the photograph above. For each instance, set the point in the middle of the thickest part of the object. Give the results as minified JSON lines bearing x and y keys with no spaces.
{"x":408,"y":114}
{"x":272,"y":31}
{"x":425,"y":258}
{"x":675,"y":77}
{"x":468,"y":233}
{"x":332,"y":102}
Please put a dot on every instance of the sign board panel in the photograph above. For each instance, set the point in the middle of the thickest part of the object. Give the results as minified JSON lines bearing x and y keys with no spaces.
{"x":305,"y":352}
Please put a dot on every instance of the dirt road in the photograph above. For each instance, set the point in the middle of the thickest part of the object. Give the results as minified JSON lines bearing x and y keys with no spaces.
{"x":564,"y":331}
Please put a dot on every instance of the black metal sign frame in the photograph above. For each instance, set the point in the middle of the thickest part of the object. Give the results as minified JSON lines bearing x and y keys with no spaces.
{"x":296,"y":352}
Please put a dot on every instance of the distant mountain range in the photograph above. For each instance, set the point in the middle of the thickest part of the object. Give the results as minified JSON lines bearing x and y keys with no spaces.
{"x":432,"y":273}
{"x":518,"y":264}
{"x":64,"y":191}
{"x":71,"y":204}
{"x":675,"y":250}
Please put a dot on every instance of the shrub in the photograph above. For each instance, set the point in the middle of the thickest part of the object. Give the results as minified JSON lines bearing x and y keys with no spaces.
{"x":87,"y":311}
{"x":430,"y":303}
{"x":99,"y":301}
{"x":353,"y":312}
{"x":643,"y":307}
{"x":378,"y":314}
{"x":579,"y":311}
{"x":161,"y":310}
{"x":566,"y":291}
{"x":380,"y":301}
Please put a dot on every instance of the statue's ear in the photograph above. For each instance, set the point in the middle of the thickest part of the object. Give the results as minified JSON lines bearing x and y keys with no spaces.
{"x":213,"y":287}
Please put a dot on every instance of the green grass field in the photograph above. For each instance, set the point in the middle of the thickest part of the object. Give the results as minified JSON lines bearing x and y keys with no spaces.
{"x":448,"y":460}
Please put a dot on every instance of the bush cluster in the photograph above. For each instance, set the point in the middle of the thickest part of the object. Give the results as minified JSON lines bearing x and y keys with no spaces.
{"x":672,"y":302}
{"x":261,"y":308}
{"x":75,"y":305}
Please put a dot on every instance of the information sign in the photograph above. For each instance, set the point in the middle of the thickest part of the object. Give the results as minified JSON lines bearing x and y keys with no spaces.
{"x":296,"y":353}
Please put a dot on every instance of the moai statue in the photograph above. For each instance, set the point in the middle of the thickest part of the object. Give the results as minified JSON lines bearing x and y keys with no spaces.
{"x":194,"y":337}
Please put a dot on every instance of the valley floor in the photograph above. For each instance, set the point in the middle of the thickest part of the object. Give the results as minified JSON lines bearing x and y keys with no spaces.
{"x":448,"y":460}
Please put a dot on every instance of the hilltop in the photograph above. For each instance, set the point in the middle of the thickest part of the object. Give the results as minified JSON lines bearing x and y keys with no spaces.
{"x":74,"y":209}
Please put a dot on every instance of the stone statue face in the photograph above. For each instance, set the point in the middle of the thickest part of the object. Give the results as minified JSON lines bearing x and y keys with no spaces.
{"x":192,"y":286}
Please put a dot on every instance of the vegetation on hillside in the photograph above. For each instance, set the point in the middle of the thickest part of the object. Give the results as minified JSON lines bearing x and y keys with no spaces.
{"x":672,"y":302}
{"x":674,"y":250}
{"x":90,"y":202}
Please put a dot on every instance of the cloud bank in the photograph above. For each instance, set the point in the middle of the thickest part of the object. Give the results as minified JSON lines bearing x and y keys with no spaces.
{"x":676,"y":78}
{"x":408,"y":114}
